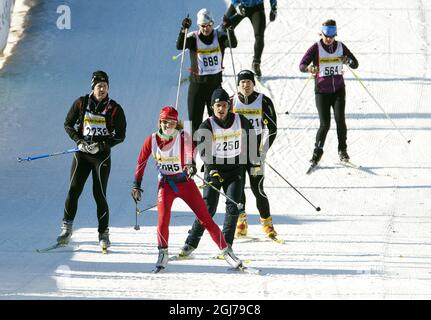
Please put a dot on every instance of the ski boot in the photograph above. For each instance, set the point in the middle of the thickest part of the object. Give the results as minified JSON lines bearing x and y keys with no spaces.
{"x":186,"y":251}
{"x":162,"y":260}
{"x":317,"y":155}
{"x":268,"y":228}
{"x":66,"y":233}
{"x":241,"y":225}
{"x":104,"y":240}
{"x":256,"y":69}
{"x":344,"y":157}
{"x":231,"y":258}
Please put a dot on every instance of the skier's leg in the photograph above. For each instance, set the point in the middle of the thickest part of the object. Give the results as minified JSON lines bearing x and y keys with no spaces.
{"x":191,"y":195}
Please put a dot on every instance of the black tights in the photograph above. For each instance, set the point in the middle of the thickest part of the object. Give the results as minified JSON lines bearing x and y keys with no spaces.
{"x":100,"y":166}
{"x":324,"y":102}
{"x":257,"y":17}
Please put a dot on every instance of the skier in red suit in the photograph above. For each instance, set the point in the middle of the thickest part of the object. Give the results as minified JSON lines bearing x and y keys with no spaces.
{"x":173,"y":150}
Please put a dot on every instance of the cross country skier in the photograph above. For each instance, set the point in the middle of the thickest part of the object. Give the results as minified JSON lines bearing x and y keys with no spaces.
{"x":224,"y":149}
{"x":254,"y":10}
{"x":172,"y":150}
{"x":206,"y":46}
{"x":260,"y":112}
{"x":328,"y":57}
{"x":96,"y":123}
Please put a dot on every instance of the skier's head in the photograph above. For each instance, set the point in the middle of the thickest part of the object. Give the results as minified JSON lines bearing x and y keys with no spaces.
{"x":246,"y":82}
{"x":220,"y":103}
{"x":100,"y":84}
{"x":168,"y":120}
{"x":205,"y":21}
{"x":328,"y":31}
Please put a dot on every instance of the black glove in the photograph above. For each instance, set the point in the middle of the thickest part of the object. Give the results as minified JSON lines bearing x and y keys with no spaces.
{"x":136,"y":193}
{"x":346,"y":60}
{"x":187,"y":22}
{"x":273,"y":13}
{"x":226,"y":24}
{"x":215,"y":177}
{"x":191,"y":170}
{"x":240,"y":10}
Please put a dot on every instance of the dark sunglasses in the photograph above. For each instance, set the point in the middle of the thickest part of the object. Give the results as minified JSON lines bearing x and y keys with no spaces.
{"x":207,"y":25}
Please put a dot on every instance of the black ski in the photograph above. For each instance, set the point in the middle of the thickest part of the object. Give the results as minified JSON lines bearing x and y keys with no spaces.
{"x":312,"y":168}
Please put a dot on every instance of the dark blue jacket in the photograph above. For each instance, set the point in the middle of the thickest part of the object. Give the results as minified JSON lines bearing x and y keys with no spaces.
{"x":252,"y":3}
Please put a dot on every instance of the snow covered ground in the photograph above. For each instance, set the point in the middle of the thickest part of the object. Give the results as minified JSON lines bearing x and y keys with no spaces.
{"x":370,"y":241}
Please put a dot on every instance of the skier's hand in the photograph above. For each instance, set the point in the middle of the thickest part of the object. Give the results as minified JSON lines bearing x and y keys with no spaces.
{"x":93,"y":148}
{"x":240,"y":10}
{"x":273,"y":14}
{"x":187,"y":23}
{"x":313,"y":70}
{"x":215,"y":177}
{"x":83,"y":146}
{"x":346,"y":60}
{"x":226,"y":24}
{"x":191,"y":170}
{"x":137,"y":193}
{"x":256,"y":170}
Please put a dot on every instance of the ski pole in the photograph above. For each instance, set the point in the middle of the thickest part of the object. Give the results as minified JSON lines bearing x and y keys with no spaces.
{"x":240,"y":206}
{"x":300,"y":93}
{"x":378,"y":104}
{"x":316,"y":208}
{"x":181,"y":67}
{"x":231,"y":56}
{"x":137,"y":212}
{"x":30,"y":158}
{"x":178,"y":55}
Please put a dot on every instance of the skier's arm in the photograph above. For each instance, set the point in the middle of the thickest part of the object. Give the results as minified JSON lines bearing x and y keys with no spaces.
{"x":354,"y":64}
{"x":142,"y":161}
{"x":71,"y":120}
{"x":308,"y":58}
{"x":270,"y":119}
{"x":120,"y":130}
{"x":190,"y":41}
{"x":224,"y":40}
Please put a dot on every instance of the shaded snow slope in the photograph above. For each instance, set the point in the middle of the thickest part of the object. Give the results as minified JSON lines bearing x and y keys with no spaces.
{"x":372,"y":237}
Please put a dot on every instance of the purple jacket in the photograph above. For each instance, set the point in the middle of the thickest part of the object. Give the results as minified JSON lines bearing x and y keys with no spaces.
{"x":326,"y":84}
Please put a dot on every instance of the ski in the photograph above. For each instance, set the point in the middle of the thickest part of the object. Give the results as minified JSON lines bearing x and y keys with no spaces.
{"x":104,"y":250}
{"x":312,"y":168}
{"x":246,"y":238}
{"x":221,"y":257}
{"x":180,"y":258}
{"x":158,"y":270}
{"x":349,"y":164}
{"x":58,"y":248}
{"x":245,"y":269}
{"x":277,"y":240}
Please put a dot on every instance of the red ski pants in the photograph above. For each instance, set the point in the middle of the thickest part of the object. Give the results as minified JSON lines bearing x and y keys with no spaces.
{"x":189,"y":192}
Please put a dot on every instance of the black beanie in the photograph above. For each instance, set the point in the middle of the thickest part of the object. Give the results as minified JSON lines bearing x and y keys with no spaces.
{"x":245,"y":75}
{"x":99,"y":76}
{"x":218,"y":95}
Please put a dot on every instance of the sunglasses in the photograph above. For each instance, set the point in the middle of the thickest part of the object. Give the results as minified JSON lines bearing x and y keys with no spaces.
{"x":329,"y":37}
{"x":207,"y":25}
{"x":171,"y":122}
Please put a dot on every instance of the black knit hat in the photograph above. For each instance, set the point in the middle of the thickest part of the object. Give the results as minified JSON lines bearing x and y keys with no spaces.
{"x":245,"y":75}
{"x":218,"y":95}
{"x":99,"y":76}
